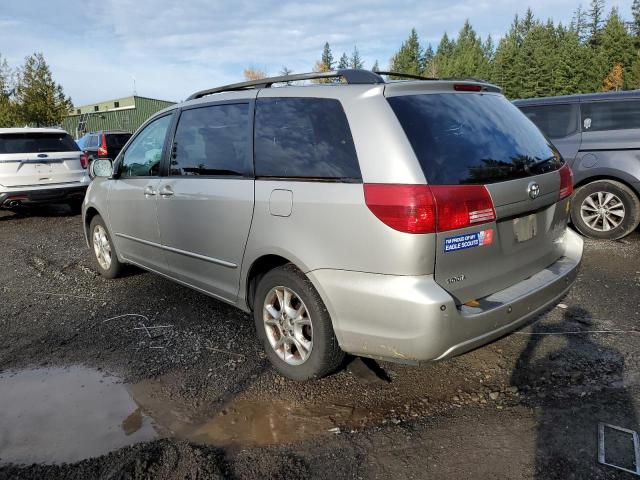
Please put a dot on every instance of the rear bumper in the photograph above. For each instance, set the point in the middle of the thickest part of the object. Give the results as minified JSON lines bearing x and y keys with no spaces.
{"x":41,"y":195}
{"x":412,"y":319}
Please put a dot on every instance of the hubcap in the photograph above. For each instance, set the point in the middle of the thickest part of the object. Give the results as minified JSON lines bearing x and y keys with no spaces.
{"x":602,"y":211}
{"x":288,"y":325}
{"x":102,"y":247}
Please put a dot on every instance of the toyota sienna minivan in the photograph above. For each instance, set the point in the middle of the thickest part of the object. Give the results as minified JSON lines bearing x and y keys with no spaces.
{"x":410,"y":220}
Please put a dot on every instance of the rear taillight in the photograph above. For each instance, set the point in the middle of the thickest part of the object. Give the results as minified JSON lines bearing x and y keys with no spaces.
{"x":406,"y":208}
{"x":566,"y":181}
{"x":461,"y":206}
{"x":102,"y":149}
{"x":429,"y":209}
{"x":84,"y":160}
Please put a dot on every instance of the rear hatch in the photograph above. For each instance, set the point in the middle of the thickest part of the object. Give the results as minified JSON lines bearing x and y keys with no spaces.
{"x":496,"y":183}
{"x":33,"y":158}
{"x":115,"y":142}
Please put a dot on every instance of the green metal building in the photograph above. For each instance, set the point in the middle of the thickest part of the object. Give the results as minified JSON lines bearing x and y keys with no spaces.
{"x":126,"y":114}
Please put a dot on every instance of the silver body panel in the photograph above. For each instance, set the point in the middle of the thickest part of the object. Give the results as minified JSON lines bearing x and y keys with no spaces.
{"x":384,"y":289}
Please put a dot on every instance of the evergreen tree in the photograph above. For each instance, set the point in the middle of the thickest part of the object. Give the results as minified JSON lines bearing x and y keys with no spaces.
{"x":375,"y":67}
{"x":428,"y":57}
{"x":409,"y":58}
{"x":440,"y":63}
{"x":355,"y":61}
{"x":8,"y":113}
{"x":635,"y":13}
{"x":467,"y":57}
{"x":616,"y":47}
{"x":579,"y":23}
{"x":596,"y":16}
{"x":41,"y":100}
{"x":327,"y":57}
{"x":344,"y":62}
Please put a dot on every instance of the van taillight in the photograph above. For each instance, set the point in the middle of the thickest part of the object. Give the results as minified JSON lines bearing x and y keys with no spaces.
{"x":84,"y":160}
{"x":102,"y":149}
{"x":406,"y":208}
{"x":429,"y":208}
{"x":461,"y":206}
{"x":566,"y":181}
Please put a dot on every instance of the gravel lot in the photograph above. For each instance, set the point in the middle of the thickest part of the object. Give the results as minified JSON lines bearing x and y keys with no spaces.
{"x":526,"y":406}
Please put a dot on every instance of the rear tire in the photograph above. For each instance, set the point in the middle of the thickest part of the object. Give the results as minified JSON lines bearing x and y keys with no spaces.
{"x":294,"y":325}
{"x":605,"y":209}
{"x":103,"y":249}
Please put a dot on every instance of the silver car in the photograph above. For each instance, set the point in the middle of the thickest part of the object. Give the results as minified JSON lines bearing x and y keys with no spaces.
{"x":409,"y":220}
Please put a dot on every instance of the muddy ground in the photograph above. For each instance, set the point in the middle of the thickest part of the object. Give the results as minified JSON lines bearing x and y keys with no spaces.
{"x":526,"y":406}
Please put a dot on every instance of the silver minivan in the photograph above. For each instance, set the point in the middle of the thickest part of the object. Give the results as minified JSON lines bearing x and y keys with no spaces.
{"x":408,"y":220}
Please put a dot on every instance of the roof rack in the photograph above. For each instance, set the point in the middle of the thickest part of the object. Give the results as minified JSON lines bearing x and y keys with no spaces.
{"x":405,"y":75}
{"x":351,"y":76}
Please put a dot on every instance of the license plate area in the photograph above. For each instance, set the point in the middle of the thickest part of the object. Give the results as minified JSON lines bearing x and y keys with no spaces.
{"x":525,"y":228}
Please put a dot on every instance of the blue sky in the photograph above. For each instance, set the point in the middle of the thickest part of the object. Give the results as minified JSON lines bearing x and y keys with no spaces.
{"x":175,"y":47}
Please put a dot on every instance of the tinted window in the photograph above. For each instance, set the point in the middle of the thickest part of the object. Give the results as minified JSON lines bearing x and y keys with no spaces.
{"x":117,"y":140}
{"x":555,"y":121}
{"x":472,"y":138}
{"x":93,"y":141}
{"x":37,"y":143}
{"x":304,"y":137}
{"x":143,"y":156}
{"x":213,"y":140}
{"x":618,"y":115}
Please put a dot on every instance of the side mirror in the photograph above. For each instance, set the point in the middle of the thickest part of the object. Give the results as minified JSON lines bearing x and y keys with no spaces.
{"x":101,"y":167}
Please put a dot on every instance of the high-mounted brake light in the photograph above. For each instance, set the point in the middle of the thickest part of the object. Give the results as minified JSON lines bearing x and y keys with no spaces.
{"x":566,"y":181}
{"x":102,"y":149}
{"x":429,"y":208}
{"x":466,"y":87}
{"x":84,"y":160}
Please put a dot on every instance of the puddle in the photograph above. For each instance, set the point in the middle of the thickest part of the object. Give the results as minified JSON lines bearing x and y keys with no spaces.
{"x":58,"y":415}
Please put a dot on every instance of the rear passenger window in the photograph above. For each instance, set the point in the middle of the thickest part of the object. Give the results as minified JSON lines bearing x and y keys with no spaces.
{"x":213,"y":140}
{"x":37,"y":142}
{"x":555,"y":121}
{"x":619,"y":115}
{"x":304,"y":138}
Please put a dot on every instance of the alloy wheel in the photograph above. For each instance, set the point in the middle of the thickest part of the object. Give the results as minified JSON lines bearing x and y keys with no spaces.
{"x":288,"y":326}
{"x":102,"y":247}
{"x":602,"y":211}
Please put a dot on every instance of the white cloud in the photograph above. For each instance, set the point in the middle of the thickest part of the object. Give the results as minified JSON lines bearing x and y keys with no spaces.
{"x":173,"y":48}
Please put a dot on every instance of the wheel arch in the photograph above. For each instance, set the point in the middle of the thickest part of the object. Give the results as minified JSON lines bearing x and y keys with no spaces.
{"x":259,"y":267}
{"x":613,"y":178}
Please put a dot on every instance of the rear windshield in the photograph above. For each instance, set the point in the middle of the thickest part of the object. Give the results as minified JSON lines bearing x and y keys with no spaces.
{"x":117,"y":140}
{"x":473,"y":138}
{"x":37,"y":143}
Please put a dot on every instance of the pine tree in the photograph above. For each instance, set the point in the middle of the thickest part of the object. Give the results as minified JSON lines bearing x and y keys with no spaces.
{"x":635,"y":14}
{"x":375,"y":67}
{"x":41,"y":100}
{"x":409,"y":58}
{"x":440,"y":63}
{"x":428,"y":56}
{"x":614,"y":80}
{"x":467,"y":57}
{"x":285,"y":71}
{"x":596,"y":16}
{"x":343,"y":62}
{"x":355,"y":61}
{"x":616,"y":46}
{"x":8,"y":111}
{"x":327,"y":57}
{"x":579,"y":23}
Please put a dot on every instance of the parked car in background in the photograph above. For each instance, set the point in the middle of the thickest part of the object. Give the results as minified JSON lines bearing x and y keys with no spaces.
{"x":40,"y":165}
{"x":389,"y":220}
{"x":103,"y":144}
{"x":598,"y":134}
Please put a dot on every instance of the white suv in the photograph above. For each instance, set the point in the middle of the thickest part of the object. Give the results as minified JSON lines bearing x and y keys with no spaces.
{"x":40,"y":165}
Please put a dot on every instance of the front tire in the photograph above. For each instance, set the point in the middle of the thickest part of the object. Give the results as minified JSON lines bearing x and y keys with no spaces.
{"x":103,"y":249}
{"x":294,"y":325}
{"x":605,"y":209}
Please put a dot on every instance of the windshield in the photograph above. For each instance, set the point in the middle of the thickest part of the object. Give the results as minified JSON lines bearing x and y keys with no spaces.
{"x":473,"y":138}
{"x":37,"y":143}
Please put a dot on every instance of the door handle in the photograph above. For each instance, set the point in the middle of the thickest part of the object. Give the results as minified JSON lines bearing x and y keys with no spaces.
{"x":149,"y":192}
{"x":166,"y":191}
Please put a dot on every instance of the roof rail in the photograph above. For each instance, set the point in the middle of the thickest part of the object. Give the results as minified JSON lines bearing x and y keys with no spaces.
{"x":351,"y":76}
{"x":404,"y":75}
